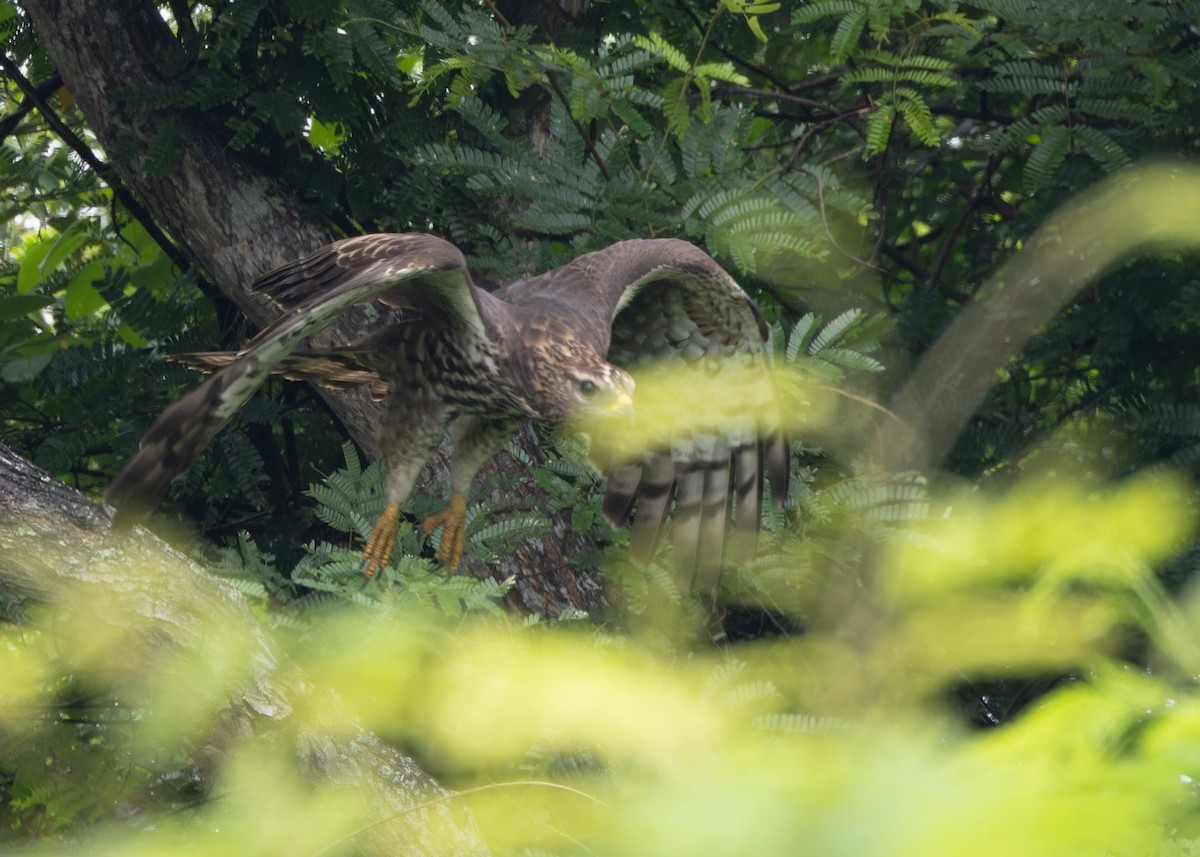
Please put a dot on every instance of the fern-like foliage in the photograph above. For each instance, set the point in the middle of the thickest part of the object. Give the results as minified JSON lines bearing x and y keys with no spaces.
{"x":349,"y":500}
{"x":829,"y":352}
{"x":657,"y":126}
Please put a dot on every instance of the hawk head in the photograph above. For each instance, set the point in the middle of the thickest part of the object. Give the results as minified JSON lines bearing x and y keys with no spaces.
{"x":600,"y":391}
{"x":558,"y":380}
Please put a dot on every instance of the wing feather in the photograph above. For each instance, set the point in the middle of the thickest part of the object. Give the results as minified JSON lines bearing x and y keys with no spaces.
{"x":776,"y":453}
{"x":714,"y":519}
{"x":702,"y":502}
{"x":623,"y":482}
{"x":654,"y":499}
{"x":318,"y":288}
{"x":381,"y":259}
{"x":747,"y":478}
{"x":643,"y":302}
{"x":690,"y":469}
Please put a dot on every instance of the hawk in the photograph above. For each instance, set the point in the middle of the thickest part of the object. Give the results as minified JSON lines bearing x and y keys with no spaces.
{"x":472,"y":364}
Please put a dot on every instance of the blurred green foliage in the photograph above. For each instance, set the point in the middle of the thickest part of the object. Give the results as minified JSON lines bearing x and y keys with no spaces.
{"x":882,"y":154}
{"x":569,"y":738}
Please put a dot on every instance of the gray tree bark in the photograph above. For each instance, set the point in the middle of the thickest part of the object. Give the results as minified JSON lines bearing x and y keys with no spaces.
{"x":235,"y":223}
{"x":56,"y":547}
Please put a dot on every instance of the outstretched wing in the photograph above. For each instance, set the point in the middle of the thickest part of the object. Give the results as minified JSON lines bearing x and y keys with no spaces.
{"x":664,"y":303}
{"x":405,"y":270}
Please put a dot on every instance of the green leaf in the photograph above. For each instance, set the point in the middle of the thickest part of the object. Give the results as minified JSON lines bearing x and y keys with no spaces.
{"x":750,"y":7}
{"x":30,"y":272}
{"x":721,"y":71}
{"x":833,"y":331}
{"x":142,"y":242}
{"x":676,"y":108}
{"x":157,"y":275}
{"x":24,"y":368}
{"x":1103,"y":148}
{"x":19,"y":306}
{"x":802,"y":336}
{"x":658,"y":45}
{"x":847,"y":33}
{"x":750,"y":11}
{"x":879,"y":127}
{"x":918,"y":117}
{"x":410,"y":62}
{"x":42,"y":258}
{"x":82,"y":299}
{"x":756,"y":28}
{"x":327,"y":137}
{"x":958,"y":19}
{"x":924,"y":77}
{"x":628,"y":114}
{"x":1156,"y":73}
{"x":131,"y":337}
{"x":1046,"y":157}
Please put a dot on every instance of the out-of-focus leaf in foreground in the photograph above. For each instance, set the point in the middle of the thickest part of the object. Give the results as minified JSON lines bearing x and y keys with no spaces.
{"x":573,"y":740}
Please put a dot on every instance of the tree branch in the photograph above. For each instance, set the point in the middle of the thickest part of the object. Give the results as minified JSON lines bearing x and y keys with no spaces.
{"x":787,"y":98}
{"x":44,"y":90}
{"x":977,"y":194}
{"x":56,"y":546}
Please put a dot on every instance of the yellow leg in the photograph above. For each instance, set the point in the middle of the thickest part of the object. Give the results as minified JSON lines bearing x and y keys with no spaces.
{"x":454,"y":517}
{"x":383,"y":538}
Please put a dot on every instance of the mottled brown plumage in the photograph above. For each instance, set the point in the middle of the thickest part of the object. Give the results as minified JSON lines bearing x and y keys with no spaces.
{"x":473,"y":364}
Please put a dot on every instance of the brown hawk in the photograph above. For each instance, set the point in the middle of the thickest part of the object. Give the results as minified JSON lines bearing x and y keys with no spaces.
{"x":472,"y":364}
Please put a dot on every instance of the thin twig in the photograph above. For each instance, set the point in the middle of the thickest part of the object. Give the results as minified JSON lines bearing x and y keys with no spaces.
{"x":583,"y":135}
{"x":9,"y":123}
{"x":935,"y":272}
{"x":854,"y":397}
{"x":499,"y":15}
{"x":730,"y":55}
{"x":773,"y":95}
{"x":825,"y":223}
{"x":451,"y":796}
{"x":822,"y":123}
{"x":815,"y":82}
{"x":922,"y":273}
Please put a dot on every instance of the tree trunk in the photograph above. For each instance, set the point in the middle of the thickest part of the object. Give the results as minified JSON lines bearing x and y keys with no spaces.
{"x":236,"y":223}
{"x":56,"y":547}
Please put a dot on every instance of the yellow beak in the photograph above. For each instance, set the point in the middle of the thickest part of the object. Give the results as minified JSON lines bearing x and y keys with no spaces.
{"x":621,"y":405}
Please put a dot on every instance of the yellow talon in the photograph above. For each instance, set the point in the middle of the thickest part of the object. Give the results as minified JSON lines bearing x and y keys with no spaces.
{"x":454,"y":518}
{"x":383,"y":538}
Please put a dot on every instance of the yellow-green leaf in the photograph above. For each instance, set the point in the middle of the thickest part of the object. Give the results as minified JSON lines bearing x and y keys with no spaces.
{"x":82,"y":299}
{"x":752,"y":23}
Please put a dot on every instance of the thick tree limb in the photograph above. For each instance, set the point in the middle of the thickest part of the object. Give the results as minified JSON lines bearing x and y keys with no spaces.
{"x":56,"y":547}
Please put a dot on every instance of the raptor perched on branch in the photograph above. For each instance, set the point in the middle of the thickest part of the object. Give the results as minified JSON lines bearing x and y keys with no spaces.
{"x":553,"y":347}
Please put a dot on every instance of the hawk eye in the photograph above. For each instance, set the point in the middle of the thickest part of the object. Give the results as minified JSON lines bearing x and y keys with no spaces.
{"x":587,"y":386}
